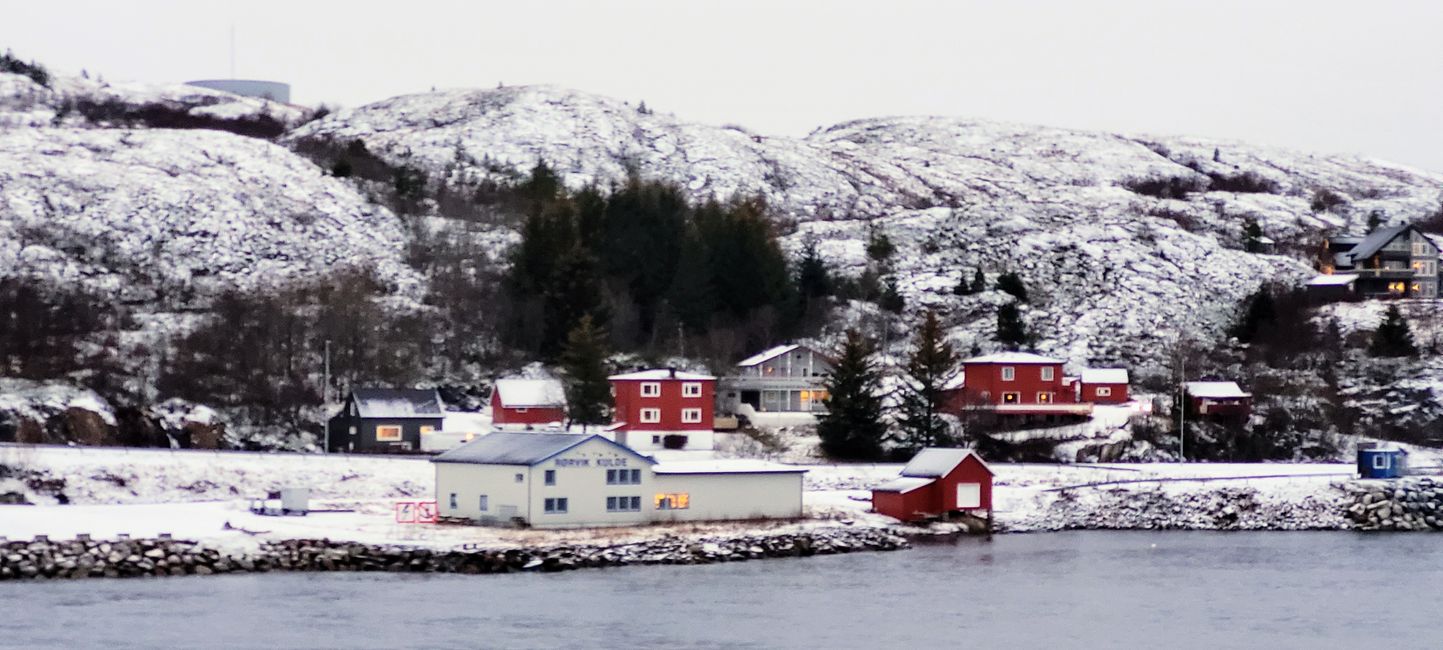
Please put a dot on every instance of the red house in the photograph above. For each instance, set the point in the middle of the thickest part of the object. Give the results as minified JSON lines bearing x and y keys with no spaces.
{"x":1105,"y":386}
{"x":665,"y":408}
{"x":527,"y":402}
{"x":936,"y":482}
{"x":1018,"y":385}
{"x":1218,"y":400}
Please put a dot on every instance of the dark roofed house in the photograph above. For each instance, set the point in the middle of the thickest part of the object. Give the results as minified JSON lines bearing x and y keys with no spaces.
{"x":1397,"y":262}
{"x":384,"y":419}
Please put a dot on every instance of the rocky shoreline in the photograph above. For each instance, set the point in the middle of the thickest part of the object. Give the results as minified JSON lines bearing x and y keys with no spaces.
{"x":1226,"y":508}
{"x":1410,"y":504}
{"x":43,"y":559}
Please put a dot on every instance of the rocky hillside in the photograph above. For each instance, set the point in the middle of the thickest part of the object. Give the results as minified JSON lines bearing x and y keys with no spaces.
{"x":1125,"y":242}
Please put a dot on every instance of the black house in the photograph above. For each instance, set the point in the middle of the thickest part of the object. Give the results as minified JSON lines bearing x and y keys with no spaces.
{"x":384,"y":419}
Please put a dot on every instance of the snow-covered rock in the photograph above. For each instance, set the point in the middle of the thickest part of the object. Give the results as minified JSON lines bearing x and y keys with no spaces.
{"x":24,"y":103}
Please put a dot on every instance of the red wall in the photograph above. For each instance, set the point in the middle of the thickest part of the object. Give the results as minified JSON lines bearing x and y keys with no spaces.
{"x":987,"y":377}
{"x":1240,"y":407}
{"x":533,"y":415}
{"x":903,"y":506}
{"x":937,"y":498}
{"x":629,"y":403}
{"x":1118,"y":396}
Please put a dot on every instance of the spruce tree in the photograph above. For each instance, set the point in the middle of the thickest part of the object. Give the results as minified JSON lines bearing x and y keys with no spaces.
{"x":879,"y":246}
{"x":1393,"y":337}
{"x":979,"y":281}
{"x":1260,"y":314}
{"x":891,"y":299}
{"x":588,"y":392}
{"x":931,"y":365}
{"x":852,"y":427}
{"x":964,"y":286}
{"x":813,"y":279}
{"x":1252,"y":235}
{"x":1011,"y":330}
{"x":1010,"y":282}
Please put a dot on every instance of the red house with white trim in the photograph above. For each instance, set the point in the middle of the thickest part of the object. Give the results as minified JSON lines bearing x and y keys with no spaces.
{"x":663,"y":409}
{"x":936,"y":482}
{"x":519,"y":403}
{"x":1105,"y":386}
{"x":1218,"y":400}
{"x":1018,"y":385}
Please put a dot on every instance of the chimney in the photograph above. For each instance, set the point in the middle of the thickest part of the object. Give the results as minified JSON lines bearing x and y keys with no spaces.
{"x":672,"y":371}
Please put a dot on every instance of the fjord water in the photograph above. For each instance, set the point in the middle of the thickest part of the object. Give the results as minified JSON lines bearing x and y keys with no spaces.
{"x":1067,"y":590}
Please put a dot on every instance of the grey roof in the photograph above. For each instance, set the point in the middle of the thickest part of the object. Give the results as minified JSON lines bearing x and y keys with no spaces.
{"x":514,"y":448}
{"x":1376,"y":240}
{"x":934,"y":462}
{"x":397,"y":403}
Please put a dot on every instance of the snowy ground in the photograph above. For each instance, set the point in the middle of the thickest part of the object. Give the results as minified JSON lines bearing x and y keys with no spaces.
{"x":196,"y":494}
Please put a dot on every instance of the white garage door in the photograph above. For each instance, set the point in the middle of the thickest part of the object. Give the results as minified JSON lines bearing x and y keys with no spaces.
{"x":969,"y":495}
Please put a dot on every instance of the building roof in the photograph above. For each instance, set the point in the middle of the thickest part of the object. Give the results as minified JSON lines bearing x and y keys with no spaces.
{"x":1104,"y":376}
{"x":1215,"y":389}
{"x":725,"y":467}
{"x":397,"y":403}
{"x":767,"y":355}
{"x":530,"y":392}
{"x":660,"y":373}
{"x":934,"y":462}
{"x":1333,"y":280}
{"x":1376,"y":240}
{"x":1012,"y":357}
{"x":514,"y":448}
{"x":904,"y":484}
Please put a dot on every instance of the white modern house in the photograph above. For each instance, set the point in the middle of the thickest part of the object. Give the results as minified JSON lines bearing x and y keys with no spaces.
{"x":787,"y":379}
{"x":559,"y":480}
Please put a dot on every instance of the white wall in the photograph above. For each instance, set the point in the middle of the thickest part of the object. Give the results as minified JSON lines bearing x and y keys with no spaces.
{"x":585,"y":488}
{"x":732,"y":496}
{"x":469,"y":482}
{"x":642,"y":440}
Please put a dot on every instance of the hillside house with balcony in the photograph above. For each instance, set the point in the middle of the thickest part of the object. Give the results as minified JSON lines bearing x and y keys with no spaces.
{"x":1018,"y":388}
{"x":1394,"y":262}
{"x":783,"y":379}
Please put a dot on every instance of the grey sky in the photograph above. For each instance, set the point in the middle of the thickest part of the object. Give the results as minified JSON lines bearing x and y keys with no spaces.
{"x":1354,"y":77}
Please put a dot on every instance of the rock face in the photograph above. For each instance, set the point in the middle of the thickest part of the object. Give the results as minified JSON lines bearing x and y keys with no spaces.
{"x":43,"y":559}
{"x":1227,"y":508}
{"x":1405,"y":504}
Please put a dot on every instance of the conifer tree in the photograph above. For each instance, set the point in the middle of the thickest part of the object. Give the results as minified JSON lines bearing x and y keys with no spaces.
{"x":852,"y":428}
{"x":1393,"y":337}
{"x":1011,"y":330}
{"x":932,"y":364}
{"x":1252,"y":235}
{"x":588,"y":393}
{"x":1010,"y":282}
{"x":813,"y":279}
{"x":1259,"y":314}
{"x":964,"y":286}
{"x":891,"y":299}
{"x":979,"y":281}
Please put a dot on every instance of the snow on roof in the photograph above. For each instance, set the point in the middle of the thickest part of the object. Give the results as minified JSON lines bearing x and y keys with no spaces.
{"x":661,"y":373}
{"x":767,"y":355}
{"x":1012,"y":357}
{"x":904,"y":484}
{"x":1215,"y":389}
{"x":1104,"y":376}
{"x":511,"y":448}
{"x":725,"y":467}
{"x":1333,"y":280}
{"x":397,"y":403}
{"x":934,"y":462}
{"x":530,"y":392}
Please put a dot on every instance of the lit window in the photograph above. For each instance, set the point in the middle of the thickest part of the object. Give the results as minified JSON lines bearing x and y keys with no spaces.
{"x":1047,"y":373}
{"x":555,"y":506}
{"x":673,"y":501}
{"x":650,"y":416}
{"x":691,"y":416}
{"x":691,"y":389}
{"x":426,"y":429}
{"x":485,"y":503}
{"x":388,"y":433}
{"x":550,"y":477}
{"x":1044,"y":398}
{"x":1104,"y":391}
{"x":1011,"y":398}
{"x":651,"y":389}
{"x":1008,"y":373}
{"x":623,"y":504}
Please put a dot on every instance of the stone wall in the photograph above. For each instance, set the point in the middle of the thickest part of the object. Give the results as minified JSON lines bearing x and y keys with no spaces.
{"x":1401,"y":504}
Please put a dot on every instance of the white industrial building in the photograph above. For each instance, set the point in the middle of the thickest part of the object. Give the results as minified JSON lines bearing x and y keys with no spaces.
{"x":558,"y":480}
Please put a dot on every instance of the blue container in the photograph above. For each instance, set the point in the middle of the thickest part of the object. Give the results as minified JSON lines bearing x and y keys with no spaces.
{"x":1381,"y":463}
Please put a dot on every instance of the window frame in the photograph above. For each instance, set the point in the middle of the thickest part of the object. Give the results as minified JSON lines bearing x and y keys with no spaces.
{"x":669,"y":501}
{"x":548,"y":477}
{"x":623,"y":504}
{"x":1016,"y":397}
{"x":1048,"y":373}
{"x":400,"y":432}
{"x":555,"y":505}
{"x":1009,"y":373}
{"x":1044,"y":397}
{"x":691,"y":389}
{"x":1104,"y":391}
{"x":656,"y":415}
{"x":651,"y":389}
{"x":686,"y":413}
{"x":484,"y":503}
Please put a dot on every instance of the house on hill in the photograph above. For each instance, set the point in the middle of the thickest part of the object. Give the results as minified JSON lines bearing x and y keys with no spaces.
{"x":1394,"y":262}
{"x":663,"y":409}
{"x":935,"y":482}
{"x":527,"y":402}
{"x":1218,"y":400}
{"x":384,"y":420}
{"x":1019,"y":388}
{"x":784,"y":379}
{"x":1104,"y":386}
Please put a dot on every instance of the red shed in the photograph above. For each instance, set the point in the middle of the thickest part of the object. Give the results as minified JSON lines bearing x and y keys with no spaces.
{"x":1219,"y":400}
{"x":935,"y":482}
{"x":1105,"y":386}
{"x":664,"y":408}
{"x":520,"y":402}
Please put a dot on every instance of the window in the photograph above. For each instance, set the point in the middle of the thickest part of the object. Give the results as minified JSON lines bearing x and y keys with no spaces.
{"x":1008,"y":373}
{"x":550,"y":477}
{"x":623,"y":504}
{"x":353,"y":431}
{"x":673,"y":501}
{"x":1380,"y":462}
{"x":1011,"y":397}
{"x":453,"y":500}
{"x":555,"y":506}
{"x":522,"y":409}
{"x":1044,"y":398}
{"x":651,"y":389}
{"x":691,"y":416}
{"x":485,"y":503}
{"x":388,"y":433}
{"x":650,"y":416}
{"x":656,"y":440}
{"x":691,"y":389}
{"x":623,"y":477}
{"x":1046,"y":373}
{"x":1104,"y":391}
{"x":519,"y":478}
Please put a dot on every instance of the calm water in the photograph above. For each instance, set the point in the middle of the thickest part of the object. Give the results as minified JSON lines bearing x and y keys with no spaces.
{"x":1066,"y":590}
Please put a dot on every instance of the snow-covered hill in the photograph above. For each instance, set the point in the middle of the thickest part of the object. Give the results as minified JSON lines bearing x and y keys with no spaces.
{"x":25,"y":103}
{"x":1116,"y":270}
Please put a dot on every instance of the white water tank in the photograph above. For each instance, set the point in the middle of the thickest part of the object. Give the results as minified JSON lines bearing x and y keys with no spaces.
{"x":272,"y":90}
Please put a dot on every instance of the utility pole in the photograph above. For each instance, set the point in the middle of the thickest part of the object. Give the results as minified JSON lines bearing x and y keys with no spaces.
{"x":1182,"y":406}
{"x":326,"y":395}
